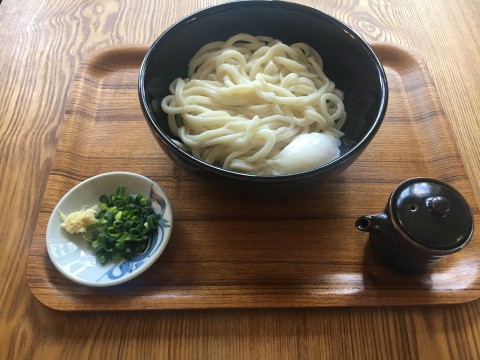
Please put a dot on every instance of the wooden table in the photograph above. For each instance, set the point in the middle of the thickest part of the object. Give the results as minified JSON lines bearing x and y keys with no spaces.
{"x":42,"y":44}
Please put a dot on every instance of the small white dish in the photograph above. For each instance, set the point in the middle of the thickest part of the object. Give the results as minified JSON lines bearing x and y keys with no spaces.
{"x":72,"y":255}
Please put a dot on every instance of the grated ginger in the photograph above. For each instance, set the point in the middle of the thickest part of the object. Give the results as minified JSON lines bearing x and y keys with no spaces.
{"x":78,"y":221}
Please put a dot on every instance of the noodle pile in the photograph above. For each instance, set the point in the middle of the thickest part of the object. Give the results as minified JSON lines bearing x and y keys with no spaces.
{"x":247,"y":98}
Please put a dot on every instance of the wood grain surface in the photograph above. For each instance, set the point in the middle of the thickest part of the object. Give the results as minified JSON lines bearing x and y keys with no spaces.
{"x":43,"y":42}
{"x":239,"y":251}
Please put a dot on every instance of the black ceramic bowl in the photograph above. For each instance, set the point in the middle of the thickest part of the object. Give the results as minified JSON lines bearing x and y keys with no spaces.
{"x":348,"y":61}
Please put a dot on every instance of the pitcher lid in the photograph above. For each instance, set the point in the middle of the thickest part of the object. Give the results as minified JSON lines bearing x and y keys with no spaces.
{"x":431,"y":213}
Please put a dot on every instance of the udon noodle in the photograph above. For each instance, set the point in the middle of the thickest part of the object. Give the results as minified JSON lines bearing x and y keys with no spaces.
{"x":246,"y":99}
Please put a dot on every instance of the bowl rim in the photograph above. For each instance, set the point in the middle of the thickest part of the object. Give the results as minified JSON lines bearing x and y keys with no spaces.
{"x":324,"y":168}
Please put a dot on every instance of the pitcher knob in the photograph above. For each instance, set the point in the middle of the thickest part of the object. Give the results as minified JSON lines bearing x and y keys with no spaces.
{"x":438,"y":204}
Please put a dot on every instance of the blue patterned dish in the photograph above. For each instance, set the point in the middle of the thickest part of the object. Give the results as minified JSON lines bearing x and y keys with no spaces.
{"x":71,"y":254}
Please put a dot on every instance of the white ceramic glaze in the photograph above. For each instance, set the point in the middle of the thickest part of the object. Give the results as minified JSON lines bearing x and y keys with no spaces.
{"x":71,"y":254}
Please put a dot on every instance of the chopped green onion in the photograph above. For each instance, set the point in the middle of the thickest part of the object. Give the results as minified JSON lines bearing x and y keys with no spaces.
{"x":124,"y":227}
{"x":121,"y":191}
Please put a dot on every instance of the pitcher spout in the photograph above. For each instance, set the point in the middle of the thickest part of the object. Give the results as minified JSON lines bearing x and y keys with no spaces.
{"x":378,"y":223}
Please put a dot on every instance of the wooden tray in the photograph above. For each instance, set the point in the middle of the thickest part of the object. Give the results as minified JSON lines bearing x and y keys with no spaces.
{"x":233,"y":251}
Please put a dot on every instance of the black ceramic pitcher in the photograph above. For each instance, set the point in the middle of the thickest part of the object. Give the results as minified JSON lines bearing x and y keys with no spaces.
{"x":424,"y":221}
